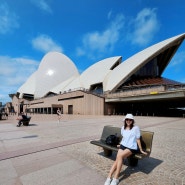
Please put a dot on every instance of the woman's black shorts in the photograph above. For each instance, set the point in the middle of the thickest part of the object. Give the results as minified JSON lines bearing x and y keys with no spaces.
{"x":132,"y":150}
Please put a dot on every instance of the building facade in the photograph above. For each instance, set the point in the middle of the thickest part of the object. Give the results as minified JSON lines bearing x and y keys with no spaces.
{"x":110,"y":86}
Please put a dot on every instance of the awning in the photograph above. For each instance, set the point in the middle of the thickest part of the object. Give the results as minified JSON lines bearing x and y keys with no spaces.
{"x":56,"y":105}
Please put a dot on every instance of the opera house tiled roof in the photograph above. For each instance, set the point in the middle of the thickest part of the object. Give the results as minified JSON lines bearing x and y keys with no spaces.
{"x":57,"y":73}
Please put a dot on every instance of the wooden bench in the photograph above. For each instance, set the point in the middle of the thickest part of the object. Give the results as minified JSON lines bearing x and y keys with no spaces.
{"x":146,"y":141}
{"x":26,"y":121}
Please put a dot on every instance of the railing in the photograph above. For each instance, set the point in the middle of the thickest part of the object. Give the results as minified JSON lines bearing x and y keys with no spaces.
{"x":73,"y":90}
{"x":145,"y":90}
{"x":129,"y":91}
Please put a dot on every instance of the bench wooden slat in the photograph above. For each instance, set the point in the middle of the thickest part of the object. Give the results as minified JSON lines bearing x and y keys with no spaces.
{"x":108,"y":130}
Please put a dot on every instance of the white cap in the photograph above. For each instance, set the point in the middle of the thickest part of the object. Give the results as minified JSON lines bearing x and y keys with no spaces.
{"x":128,"y":116}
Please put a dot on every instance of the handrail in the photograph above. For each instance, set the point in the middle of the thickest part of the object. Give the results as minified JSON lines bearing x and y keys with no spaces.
{"x":145,"y":90}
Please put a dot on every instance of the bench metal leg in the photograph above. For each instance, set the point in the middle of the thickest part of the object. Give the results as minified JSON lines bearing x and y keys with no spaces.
{"x":25,"y":123}
{"x":132,"y":161}
{"x":107,"y":152}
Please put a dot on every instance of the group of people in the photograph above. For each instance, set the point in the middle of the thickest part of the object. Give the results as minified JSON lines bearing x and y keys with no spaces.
{"x":22,"y":117}
{"x":130,"y":144}
{"x":3,"y":115}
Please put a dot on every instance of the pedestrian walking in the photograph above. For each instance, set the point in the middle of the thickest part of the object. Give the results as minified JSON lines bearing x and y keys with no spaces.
{"x":59,"y":113}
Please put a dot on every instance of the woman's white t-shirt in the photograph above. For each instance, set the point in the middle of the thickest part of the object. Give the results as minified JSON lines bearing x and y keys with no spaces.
{"x":130,"y":137}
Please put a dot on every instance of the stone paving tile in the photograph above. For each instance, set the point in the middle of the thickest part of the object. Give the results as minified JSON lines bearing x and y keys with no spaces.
{"x":75,"y":161}
{"x":69,"y":172}
{"x":34,"y":149}
{"x":165,"y":166}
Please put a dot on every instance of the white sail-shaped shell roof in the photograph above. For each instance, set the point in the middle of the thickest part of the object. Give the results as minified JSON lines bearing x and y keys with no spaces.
{"x":132,"y":64}
{"x":66,"y":85}
{"x":74,"y":85}
{"x":29,"y":86}
{"x":54,"y":68}
{"x":57,"y":73}
{"x":96,"y":73}
{"x":93,"y":75}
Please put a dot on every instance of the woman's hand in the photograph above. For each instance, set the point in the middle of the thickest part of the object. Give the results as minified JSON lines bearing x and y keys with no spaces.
{"x":118,"y":146}
{"x":143,"y":152}
{"x":18,"y":118}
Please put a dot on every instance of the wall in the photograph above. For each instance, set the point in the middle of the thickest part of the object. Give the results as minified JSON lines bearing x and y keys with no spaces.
{"x":82,"y":103}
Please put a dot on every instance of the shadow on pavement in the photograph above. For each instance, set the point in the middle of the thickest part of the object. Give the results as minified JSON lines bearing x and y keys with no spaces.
{"x":146,"y":166}
{"x":32,"y":136}
{"x":32,"y":124}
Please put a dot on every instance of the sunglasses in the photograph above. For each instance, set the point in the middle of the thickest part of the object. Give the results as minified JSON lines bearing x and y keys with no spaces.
{"x":128,"y":119}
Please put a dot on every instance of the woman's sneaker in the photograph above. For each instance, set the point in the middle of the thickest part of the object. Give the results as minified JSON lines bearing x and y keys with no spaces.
{"x":115,"y":182}
{"x":108,"y":181}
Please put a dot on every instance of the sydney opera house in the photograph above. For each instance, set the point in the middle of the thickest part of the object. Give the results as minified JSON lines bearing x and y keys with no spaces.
{"x":109,"y":87}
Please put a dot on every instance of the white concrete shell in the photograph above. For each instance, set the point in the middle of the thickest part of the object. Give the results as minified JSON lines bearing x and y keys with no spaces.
{"x":57,"y":73}
{"x":66,"y":85}
{"x":97,"y":73}
{"x":93,"y":75}
{"x":134,"y":63}
{"x":74,"y":85}
{"x":54,"y":68}
{"x":29,"y":86}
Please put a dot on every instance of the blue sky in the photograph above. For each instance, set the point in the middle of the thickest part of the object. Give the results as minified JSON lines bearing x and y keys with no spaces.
{"x":86,"y":31}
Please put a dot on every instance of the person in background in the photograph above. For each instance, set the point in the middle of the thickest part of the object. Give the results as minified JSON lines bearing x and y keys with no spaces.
{"x":21,"y":117}
{"x":130,"y":144}
{"x":59,"y":115}
{"x":6,"y":114}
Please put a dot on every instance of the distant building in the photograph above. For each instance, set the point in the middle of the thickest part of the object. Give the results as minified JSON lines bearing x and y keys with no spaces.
{"x":108,"y":87}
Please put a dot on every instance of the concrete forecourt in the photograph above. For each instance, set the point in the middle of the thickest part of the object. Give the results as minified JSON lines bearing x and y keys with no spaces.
{"x":52,"y":153}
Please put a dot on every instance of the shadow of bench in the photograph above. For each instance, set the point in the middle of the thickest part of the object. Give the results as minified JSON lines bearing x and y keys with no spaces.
{"x":146,"y":142}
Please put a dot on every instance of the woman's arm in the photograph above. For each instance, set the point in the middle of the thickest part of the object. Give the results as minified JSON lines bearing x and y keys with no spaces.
{"x":140,"y":147}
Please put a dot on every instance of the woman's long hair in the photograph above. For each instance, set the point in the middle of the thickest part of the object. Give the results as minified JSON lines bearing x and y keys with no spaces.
{"x":131,"y":126}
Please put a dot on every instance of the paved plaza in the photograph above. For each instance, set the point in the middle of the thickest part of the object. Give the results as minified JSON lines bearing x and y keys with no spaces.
{"x":52,"y":153}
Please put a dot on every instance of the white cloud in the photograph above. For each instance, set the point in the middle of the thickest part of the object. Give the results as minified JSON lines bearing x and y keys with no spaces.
{"x":139,"y":31}
{"x":43,"y":5}
{"x":109,"y":14}
{"x":8,"y":20}
{"x":144,"y":26}
{"x":14,"y":72}
{"x":45,"y":44}
{"x":100,"y":42}
{"x":175,"y":69}
{"x":178,"y":59}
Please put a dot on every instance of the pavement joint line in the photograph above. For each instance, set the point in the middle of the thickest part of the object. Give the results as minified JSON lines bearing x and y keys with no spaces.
{"x":49,"y":146}
{"x":159,"y":124}
{"x":27,"y":151}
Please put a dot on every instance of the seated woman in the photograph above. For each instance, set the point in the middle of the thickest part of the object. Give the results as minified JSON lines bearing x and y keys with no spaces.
{"x":130,"y":144}
{"x":21,"y":117}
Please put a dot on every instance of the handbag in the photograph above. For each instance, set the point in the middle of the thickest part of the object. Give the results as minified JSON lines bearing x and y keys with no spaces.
{"x":112,"y":140}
